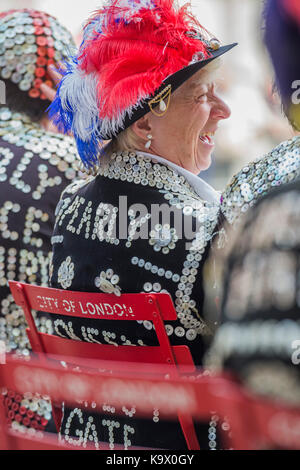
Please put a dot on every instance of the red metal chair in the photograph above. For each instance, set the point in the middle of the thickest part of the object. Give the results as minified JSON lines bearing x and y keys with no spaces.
{"x":156,"y":308}
{"x":275,"y":426}
{"x":256,"y":423}
{"x":44,"y":378}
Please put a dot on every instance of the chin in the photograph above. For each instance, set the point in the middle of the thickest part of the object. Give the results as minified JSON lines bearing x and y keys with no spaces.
{"x":204,"y":163}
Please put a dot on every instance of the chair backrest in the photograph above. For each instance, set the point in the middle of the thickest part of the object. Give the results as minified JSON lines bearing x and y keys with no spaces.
{"x":34,"y":377}
{"x":275,"y":425}
{"x":155,"y":308}
{"x":255,"y":423}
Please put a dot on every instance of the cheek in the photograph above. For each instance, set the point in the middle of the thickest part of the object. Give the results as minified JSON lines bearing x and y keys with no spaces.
{"x":198,"y":117}
{"x":203,"y":113}
{"x":176,"y":127}
{"x":184,"y":122}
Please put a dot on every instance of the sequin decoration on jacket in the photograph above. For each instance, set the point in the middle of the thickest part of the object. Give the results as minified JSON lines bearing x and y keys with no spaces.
{"x":108,"y":238}
{"x":280,"y":166}
{"x":258,"y":337}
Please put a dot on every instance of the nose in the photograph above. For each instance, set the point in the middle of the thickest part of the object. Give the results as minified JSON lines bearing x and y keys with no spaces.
{"x":220,"y":110}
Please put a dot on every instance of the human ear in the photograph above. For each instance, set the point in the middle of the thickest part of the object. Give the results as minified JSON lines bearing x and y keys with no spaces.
{"x":142,"y":128}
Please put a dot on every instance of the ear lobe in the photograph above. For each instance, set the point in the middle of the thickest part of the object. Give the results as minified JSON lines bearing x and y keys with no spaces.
{"x":142,"y":127}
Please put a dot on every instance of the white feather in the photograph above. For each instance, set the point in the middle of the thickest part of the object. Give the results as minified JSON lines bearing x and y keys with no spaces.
{"x":78,"y":93}
{"x":111,"y":127}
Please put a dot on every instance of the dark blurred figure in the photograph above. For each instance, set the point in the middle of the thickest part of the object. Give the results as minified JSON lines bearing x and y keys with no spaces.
{"x":282,"y":38}
{"x":35,"y":166}
{"x":282,"y":164}
{"x":259,"y":333}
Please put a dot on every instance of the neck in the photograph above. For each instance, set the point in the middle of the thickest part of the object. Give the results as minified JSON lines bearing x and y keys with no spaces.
{"x":174,"y":158}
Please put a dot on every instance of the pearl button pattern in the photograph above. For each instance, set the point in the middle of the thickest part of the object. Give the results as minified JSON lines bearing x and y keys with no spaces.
{"x":280,"y":166}
{"x":35,"y":166}
{"x":30,"y":41}
{"x":159,"y":260}
{"x":260,"y":328}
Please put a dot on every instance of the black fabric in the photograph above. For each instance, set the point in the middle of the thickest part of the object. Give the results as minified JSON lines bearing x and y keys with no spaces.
{"x":83,"y":258}
{"x":32,"y":175}
{"x":259,"y":332}
{"x":31,"y":180}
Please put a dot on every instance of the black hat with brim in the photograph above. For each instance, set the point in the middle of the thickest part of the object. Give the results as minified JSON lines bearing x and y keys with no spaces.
{"x":175,"y":80}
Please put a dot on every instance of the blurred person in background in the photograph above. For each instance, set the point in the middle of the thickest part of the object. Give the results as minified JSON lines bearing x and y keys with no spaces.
{"x":282,"y":164}
{"x":35,"y":166}
{"x":144,"y":78}
{"x":259,"y":333}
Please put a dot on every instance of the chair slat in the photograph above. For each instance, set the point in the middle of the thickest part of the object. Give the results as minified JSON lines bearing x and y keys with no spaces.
{"x":57,"y":346}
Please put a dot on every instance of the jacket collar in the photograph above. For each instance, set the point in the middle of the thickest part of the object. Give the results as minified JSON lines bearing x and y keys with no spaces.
{"x":202,"y":189}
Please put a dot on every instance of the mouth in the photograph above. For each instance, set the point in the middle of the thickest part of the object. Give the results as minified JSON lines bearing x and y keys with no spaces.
{"x":206,"y":139}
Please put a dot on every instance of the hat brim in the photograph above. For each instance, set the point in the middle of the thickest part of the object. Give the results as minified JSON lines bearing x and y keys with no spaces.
{"x":175,"y":80}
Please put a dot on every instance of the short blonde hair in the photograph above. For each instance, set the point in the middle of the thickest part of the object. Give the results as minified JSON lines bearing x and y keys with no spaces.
{"x":129,"y":140}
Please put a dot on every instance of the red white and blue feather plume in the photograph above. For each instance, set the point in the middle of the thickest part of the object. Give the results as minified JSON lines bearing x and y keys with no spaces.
{"x":129,"y":48}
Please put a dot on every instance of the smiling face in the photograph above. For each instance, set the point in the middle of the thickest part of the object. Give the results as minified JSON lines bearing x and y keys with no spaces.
{"x":184,"y":135}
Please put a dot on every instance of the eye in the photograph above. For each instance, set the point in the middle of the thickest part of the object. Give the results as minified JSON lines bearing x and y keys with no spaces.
{"x":201,"y":98}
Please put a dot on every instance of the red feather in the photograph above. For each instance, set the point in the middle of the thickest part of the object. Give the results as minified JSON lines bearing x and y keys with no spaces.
{"x":132,"y":59}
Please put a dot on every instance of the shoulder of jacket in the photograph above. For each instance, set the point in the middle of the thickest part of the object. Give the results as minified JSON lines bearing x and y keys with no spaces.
{"x":280,"y":166}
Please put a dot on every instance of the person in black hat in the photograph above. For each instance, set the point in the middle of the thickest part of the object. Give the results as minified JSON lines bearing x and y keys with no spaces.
{"x":144,"y":79}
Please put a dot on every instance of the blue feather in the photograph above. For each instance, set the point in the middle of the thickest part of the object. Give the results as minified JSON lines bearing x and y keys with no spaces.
{"x":74,"y":110}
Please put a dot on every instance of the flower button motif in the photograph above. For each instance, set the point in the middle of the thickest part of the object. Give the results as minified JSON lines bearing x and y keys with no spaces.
{"x":66,"y":273}
{"x":107,"y":282}
{"x":164,"y":238}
